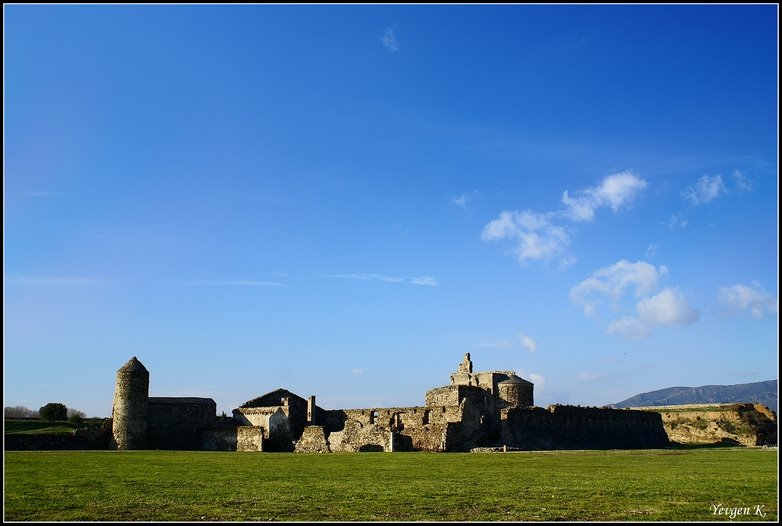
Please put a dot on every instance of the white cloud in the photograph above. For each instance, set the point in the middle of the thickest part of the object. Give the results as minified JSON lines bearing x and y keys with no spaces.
{"x":537,"y":237}
{"x":651,"y":250}
{"x":535,"y":378}
{"x":424,"y":280}
{"x":752,"y":300}
{"x":538,"y":380}
{"x":630,"y":327}
{"x":463,"y":200}
{"x":668,"y":307}
{"x":676,"y":221}
{"x":705,"y":190}
{"x":389,"y":40}
{"x":358,"y":371}
{"x":528,"y":343}
{"x":460,"y":201}
{"x":615,"y":191}
{"x":742,"y":182}
{"x":420,"y":280}
{"x":612,"y":281}
{"x":567,"y":262}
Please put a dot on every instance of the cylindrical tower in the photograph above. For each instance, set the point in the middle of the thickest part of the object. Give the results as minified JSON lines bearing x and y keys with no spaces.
{"x":131,"y":395}
{"x":516,"y":392}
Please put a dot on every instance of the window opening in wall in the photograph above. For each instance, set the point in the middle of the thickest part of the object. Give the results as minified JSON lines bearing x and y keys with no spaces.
{"x":372,"y":417}
{"x":426,"y":417}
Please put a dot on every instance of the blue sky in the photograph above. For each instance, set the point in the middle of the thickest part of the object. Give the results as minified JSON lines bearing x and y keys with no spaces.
{"x":343,"y":200}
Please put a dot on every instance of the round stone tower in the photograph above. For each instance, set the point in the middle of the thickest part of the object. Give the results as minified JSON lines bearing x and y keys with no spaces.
{"x":131,"y":395}
{"x":516,"y":392}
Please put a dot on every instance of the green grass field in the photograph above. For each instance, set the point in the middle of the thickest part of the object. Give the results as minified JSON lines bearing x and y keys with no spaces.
{"x":653,"y":485}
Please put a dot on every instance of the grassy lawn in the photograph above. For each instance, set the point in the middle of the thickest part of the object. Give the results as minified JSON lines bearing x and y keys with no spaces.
{"x":656,"y":485}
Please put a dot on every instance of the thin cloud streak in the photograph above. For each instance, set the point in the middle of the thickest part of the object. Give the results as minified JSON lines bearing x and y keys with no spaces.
{"x":420,"y":280}
{"x":389,"y":40}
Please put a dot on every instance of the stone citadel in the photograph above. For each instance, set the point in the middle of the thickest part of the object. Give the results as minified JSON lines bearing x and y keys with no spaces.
{"x":488,"y":409}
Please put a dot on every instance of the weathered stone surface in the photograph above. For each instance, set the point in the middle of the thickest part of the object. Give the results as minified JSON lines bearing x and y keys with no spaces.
{"x":249,"y":438}
{"x":357,"y":437}
{"x":485,"y":409}
{"x":572,"y":427}
{"x":745,"y":424}
{"x":130,"y":409}
{"x":313,"y":440}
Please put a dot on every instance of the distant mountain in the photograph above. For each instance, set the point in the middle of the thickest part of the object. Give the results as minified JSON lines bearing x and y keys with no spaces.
{"x":756,"y":393}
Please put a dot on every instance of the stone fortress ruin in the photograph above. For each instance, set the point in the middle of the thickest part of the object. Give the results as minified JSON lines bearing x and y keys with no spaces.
{"x":489,"y":409}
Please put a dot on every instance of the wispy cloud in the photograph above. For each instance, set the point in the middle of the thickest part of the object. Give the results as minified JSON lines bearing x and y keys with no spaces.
{"x":424,"y":280}
{"x":615,"y":191}
{"x":651,"y":250}
{"x":368,"y":277}
{"x":676,"y":221}
{"x":235,"y":283}
{"x":705,"y":190}
{"x":747,"y":300}
{"x":542,"y":236}
{"x":389,"y":40}
{"x":741,"y":181}
{"x":357,"y":372}
{"x":528,"y":342}
{"x":464,"y":200}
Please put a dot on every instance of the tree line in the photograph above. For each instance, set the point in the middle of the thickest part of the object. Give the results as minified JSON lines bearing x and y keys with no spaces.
{"x":52,"y":412}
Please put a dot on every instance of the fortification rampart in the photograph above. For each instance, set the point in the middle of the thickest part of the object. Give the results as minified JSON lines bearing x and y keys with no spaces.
{"x":176,"y":423}
{"x":573,"y":427}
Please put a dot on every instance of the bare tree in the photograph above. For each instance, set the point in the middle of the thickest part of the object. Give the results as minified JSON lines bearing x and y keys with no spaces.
{"x":19,"y":411}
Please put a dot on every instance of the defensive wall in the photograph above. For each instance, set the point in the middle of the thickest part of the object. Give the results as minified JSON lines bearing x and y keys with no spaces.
{"x":486,"y":409}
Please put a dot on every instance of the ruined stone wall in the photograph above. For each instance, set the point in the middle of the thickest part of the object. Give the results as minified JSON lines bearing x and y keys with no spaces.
{"x":177,"y":423}
{"x":488,"y":380}
{"x":313,"y":440}
{"x":255,"y":416}
{"x":452,"y":395}
{"x":571,"y":427}
{"x":249,"y":438}
{"x":415,"y":428}
{"x":297,"y":415}
{"x":356,"y":436}
{"x":218,"y":439}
